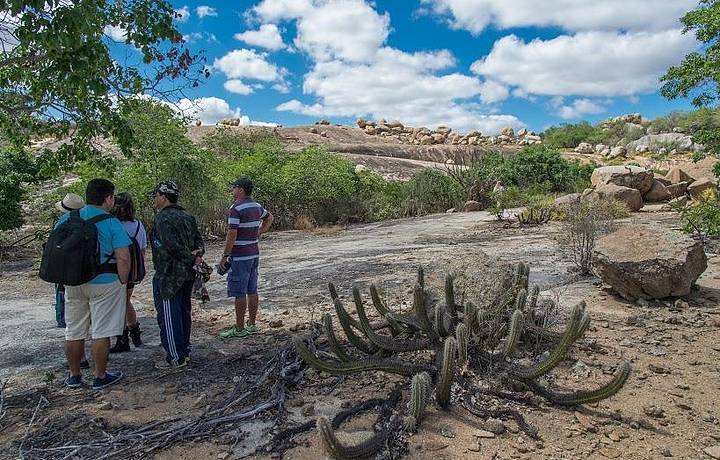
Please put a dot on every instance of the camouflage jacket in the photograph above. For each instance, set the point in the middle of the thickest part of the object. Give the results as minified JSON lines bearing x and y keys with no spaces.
{"x":174,"y":236}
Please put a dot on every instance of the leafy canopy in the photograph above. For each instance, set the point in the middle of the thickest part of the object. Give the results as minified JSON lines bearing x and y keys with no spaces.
{"x":58,"y":77}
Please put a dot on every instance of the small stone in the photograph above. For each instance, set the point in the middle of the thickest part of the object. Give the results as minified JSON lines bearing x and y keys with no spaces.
{"x":484,"y":434}
{"x":275,"y":323}
{"x":665,"y":452}
{"x":585,"y":422}
{"x":494,"y":425}
{"x":308,"y":411}
{"x":223,"y":455}
{"x":201,"y":401}
{"x":447,"y":432}
{"x":681,"y":304}
{"x":713,"y":451}
{"x":475,"y":446}
{"x":614,"y":436}
{"x":610,"y":452}
{"x":105,"y":406}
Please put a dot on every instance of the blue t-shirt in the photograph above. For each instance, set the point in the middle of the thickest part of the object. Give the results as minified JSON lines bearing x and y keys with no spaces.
{"x":111,"y":236}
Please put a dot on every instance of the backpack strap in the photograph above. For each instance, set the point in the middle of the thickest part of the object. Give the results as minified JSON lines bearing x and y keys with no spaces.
{"x":107,"y":267}
{"x":99,"y":218}
{"x":137,"y":230}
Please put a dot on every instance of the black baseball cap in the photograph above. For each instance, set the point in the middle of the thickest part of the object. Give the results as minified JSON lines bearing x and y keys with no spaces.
{"x":244,"y":183}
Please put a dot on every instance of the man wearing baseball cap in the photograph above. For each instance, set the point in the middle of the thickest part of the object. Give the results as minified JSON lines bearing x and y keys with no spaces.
{"x":176,"y":247}
{"x":71,"y":202}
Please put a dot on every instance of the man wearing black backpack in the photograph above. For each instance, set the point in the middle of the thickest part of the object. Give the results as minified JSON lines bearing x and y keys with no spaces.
{"x":88,"y":253}
{"x":177,"y":247}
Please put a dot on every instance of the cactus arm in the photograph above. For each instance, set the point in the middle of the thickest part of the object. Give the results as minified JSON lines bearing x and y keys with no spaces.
{"x":384,"y":342}
{"x":450,"y":295}
{"x":421,"y":277}
{"x":447,"y":373}
{"x":421,"y":309}
{"x":338,"y":451}
{"x":347,"y":326}
{"x":584,"y":325}
{"x":521,"y":300}
{"x":440,"y":321}
{"x":470,"y":316}
{"x":352,"y":367}
{"x":513,"y":336}
{"x":577,"y":398}
{"x":332,"y":340}
{"x":532,"y":300}
{"x":395,"y":327}
{"x":558,"y":353}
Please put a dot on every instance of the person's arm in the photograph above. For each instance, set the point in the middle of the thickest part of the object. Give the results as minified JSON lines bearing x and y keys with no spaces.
{"x":229,"y":244}
{"x":267,"y":223}
{"x":122,"y":258}
{"x":163,"y":232}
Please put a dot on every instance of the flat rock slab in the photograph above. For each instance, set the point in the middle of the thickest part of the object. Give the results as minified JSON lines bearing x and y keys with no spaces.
{"x":640,"y":262}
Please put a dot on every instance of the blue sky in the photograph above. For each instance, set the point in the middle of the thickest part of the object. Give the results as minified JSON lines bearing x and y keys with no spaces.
{"x":469,"y":64}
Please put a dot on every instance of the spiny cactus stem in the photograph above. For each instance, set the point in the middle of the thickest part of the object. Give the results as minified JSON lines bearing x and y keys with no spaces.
{"x":332,"y":339}
{"x":420,"y":309}
{"x":421,"y":277}
{"x":520,"y":300}
{"x":462,"y":335}
{"x":558,"y":352}
{"x":419,"y":392}
{"x":346,"y":322}
{"x":532,"y":301}
{"x":395,"y":327}
{"x":338,"y":451}
{"x":450,"y":294}
{"x":513,"y":336}
{"x":577,"y":398}
{"x":447,"y":373}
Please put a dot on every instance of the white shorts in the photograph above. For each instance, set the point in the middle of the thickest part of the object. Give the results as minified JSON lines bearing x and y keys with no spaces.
{"x":95,"y":308}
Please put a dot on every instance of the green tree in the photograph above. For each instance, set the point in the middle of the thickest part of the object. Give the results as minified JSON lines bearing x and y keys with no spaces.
{"x":58,"y":77}
{"x":699,"y":73}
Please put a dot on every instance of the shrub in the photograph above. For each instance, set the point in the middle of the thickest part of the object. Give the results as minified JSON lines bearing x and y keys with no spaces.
{"x":430,"y":191}
{"x":16,"y":167}
{"x":584,"y":223}
{"x":229,"y":142}
{"x":568,"y":135}
{"x":702,"y":219}
{"x":540,"y":165}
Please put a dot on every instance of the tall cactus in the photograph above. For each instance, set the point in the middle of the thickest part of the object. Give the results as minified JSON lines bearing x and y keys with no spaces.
{"x":513,"y":336}
{"x":421,"y":309}
{"x":447,"y":373}
{"x":419,"y":395}
{"x":450,"y":295}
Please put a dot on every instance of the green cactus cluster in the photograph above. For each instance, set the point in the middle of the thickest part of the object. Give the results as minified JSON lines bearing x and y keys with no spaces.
{"x":468,"y":339}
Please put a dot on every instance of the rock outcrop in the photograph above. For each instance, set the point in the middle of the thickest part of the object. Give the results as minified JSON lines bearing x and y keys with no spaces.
{"x":629,"y":196}
{"x":677,"y":175}
{"x":657,"y":193}
{"x":640,"y":262}
{"x":656,"y":142}
{"x":699,"y":186}
{"x":627,"y":176}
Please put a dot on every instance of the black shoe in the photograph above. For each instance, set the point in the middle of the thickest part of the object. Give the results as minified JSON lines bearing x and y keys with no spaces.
{"x":122,"y":344}
{"x":84,"y":364}
{"x":135,"y":332}
{"x":109,"y":379}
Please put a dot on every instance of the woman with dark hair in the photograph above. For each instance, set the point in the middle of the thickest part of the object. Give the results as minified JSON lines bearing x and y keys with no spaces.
{"x":124,"y":210}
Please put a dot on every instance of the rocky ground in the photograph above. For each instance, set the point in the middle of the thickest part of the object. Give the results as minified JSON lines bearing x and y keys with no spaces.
{"x":670,"y":406}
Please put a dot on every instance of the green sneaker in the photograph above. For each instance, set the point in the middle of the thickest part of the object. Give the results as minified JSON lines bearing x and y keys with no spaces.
{"x":234,"y":333}
{"x":251,"y":328}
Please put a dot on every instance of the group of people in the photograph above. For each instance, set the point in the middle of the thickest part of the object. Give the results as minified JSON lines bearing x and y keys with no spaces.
{"x":100,"y":307}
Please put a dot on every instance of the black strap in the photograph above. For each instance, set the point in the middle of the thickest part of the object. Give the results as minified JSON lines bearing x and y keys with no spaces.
{"x":137,"y":230}
{"x":99,"y":218}
{"x":107,"y":268}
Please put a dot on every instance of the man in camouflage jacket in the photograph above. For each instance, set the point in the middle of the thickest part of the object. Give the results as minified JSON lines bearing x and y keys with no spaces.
{"x":176,"y":248}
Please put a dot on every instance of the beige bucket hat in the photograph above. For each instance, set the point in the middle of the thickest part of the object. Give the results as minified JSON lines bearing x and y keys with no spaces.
{"x":71,"y":202}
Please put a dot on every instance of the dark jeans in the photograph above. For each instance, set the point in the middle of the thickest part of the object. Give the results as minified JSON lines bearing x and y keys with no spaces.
{"x":60,"y":305}
{"x":175,"y":321}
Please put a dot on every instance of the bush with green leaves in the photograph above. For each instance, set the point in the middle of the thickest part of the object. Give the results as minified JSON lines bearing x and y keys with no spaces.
{"x":541,"y":165}
{"x":430,"y":191}
{"x":16,"y":167}
{"x":702,"y":218}
{"x":569,"y":136}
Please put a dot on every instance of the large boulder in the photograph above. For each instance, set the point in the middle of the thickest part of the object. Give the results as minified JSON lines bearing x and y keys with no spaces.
{"x":654,"y":142}
{"x":567,"y":200}
{"x":629,"y":196}
{"x":585,"y":148}
{"x":508,"y":131}
{"x":640,"y":262}
{"x":677,"y":190}
{"x":699,"y":186}
{"x":677,"y":175}
{"x":617,"y":152}
{"x":472,"y":206}
{"x":627,"y":176}
{"x":657,"y":193}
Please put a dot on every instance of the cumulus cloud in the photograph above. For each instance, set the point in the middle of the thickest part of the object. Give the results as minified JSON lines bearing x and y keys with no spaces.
{"x":492,"y":91}
{"x":200,"y":36}
{"x":400,"y":86}
{"x":209,"y":110}
{"x":117,"y":33}
{"x":204,"y":10}
{"x":585,"y":64}
{"x":246,"y":63}
{"x":580,"y":108}
{"x":182,"y":14}
{"x":268,"y":36}
{"x":238,"y":87}
{"x":572,"y":15}
{"x":331,"y":29}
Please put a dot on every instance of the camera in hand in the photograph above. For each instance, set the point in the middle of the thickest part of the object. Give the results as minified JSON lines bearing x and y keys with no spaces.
{"x":223,"y":267}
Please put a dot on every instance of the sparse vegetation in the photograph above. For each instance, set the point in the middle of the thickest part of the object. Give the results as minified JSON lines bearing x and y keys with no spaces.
{"x":702,"y":218}
{"x":584,"y":223}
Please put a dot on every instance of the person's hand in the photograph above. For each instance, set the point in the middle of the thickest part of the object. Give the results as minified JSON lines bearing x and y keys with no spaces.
{"x":198,"y":255}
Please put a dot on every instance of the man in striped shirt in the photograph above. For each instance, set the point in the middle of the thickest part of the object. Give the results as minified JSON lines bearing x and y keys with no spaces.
{"x":247,"y":220}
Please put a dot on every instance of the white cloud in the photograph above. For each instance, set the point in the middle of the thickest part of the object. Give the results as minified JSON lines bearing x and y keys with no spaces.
{"x":585,"y":64}
{"x":117,"y":33}
{"x":282,"y":87}
{"x":579,"y":108}
{"x":183,"y":14}
{"x":238,"y":87}
{"x":572,"y":15}
{"x":399,"y":86}
{"x":204,"y":10}
{"x":209,"y":110}
{"x":268,"y":36}
{"x":199,"y":36}
{"x":331,"y":29}
{"x":492,"y":91}
{"x":245,"y":63}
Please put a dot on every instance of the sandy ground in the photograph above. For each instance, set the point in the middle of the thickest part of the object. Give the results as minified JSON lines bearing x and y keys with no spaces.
{"x":669,"y":407}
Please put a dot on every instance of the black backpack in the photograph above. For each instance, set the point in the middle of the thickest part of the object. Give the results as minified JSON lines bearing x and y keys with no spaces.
{"x":71,"y":255}
{"x":137,"y":263}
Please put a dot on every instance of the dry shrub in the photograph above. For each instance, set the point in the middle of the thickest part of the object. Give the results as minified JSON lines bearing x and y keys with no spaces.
{"x":330,"y":230}
{"x":304,"y":223}
{"x":584,"y":223}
